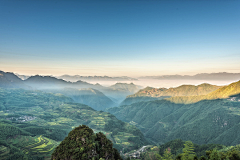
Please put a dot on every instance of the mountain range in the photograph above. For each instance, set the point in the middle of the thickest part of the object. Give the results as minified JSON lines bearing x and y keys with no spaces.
{"x":201,"y":76}
{"x":213,"y":120}
{"x":149,"y":93}
{"x":95,"y":78}
{"x":37,"y":113}
{"x":96,"y":96}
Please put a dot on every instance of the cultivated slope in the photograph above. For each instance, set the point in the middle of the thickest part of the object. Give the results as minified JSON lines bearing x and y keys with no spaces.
{"x":36,"y":113}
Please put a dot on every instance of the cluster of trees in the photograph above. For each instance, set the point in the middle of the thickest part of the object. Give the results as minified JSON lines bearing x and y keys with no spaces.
{"x":191,"y":151}
{"x":82,"y":144}
{"x":8,"y":130}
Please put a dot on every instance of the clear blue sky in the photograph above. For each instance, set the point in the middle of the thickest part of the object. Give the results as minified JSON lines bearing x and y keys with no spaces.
{"x":120,"y":37}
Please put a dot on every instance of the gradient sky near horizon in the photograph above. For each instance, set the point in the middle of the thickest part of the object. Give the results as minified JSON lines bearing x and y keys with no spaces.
{"x":119,"y":37}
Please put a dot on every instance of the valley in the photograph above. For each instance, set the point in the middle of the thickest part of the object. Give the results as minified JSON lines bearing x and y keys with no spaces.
{"x":41,"y":111}
{"x":119,"y":80}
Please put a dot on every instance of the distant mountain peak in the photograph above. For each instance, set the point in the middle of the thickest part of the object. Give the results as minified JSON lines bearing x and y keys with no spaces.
{"x":200,"y":76}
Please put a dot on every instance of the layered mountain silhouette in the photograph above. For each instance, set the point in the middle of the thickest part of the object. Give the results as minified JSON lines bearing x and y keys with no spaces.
{"x":10,"y":80}
{"x":201,"y":76}
{"x":96,"y":96}
{"x":48,"y":82}
{"x":95,"y":78}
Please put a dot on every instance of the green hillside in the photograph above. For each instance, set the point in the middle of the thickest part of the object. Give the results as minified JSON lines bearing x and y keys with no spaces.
{"x":131,"y":100}
{"x":125,"y":87}
{"x":16,"y":143}
{"x":208,"y":121}
{"x":53,"y":116}
{"x":149,"y":93}
{"x":91,"y":97}
{"x":119,"y":91}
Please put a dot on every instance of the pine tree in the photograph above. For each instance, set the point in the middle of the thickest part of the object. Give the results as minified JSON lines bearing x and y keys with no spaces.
{"x":167,"y":155}
{"x":215,"y":155}
{"x":188,"y":151}
{"x":158,"y":157}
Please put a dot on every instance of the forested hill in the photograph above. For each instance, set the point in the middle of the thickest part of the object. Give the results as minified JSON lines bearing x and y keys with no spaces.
{"x":223,"y":92}
{"x":207,"y":121}
{"x":46,"y":118}
{"x":126,"y":87}
{"x":149,"y":93}
{"x":83,"y":143}
{"x":91,"y":97}
{"x":183,"y":90}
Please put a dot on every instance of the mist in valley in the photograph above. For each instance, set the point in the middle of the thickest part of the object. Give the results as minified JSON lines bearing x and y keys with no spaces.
{"x":119,"y":80}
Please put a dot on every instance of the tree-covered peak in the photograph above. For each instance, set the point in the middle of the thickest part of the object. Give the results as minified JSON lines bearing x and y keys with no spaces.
{"x":82,"y":144}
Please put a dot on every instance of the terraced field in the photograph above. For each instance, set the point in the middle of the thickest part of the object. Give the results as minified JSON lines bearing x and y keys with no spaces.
{"x":123,"y":139}
{"x":34,"y":146}
{"x":3,"y":152}
{"x":34,"y":122}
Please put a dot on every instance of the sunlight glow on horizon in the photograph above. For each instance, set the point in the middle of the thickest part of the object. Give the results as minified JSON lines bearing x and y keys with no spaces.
{"x":136,"y":38}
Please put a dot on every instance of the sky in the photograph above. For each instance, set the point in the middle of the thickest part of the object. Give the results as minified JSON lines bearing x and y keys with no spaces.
{"x":119,"y":37}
